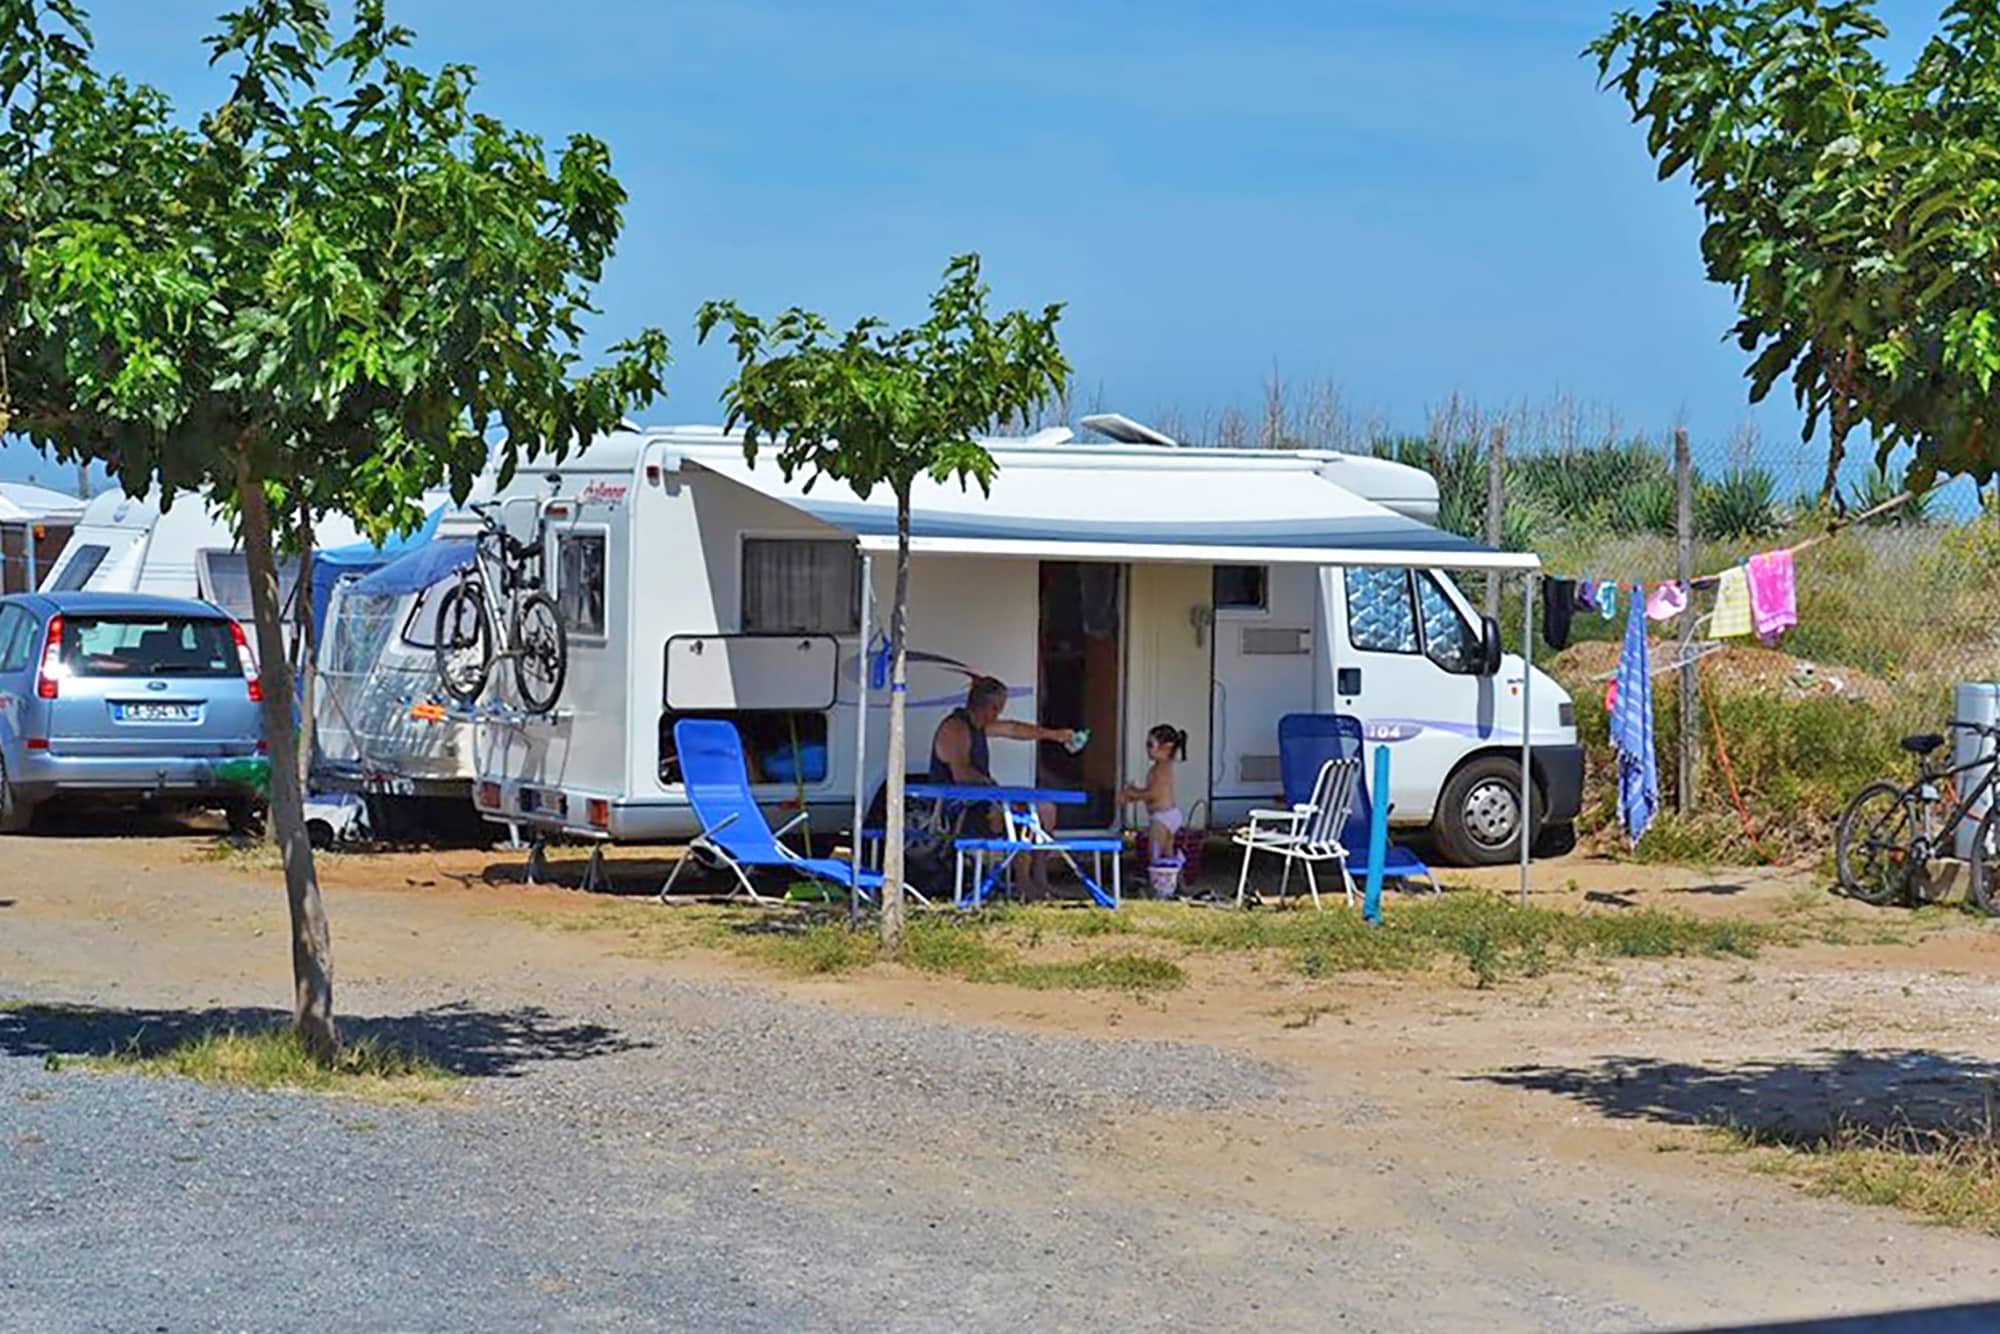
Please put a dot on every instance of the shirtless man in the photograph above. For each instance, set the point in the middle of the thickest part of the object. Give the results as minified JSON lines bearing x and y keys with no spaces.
{"x":960,"y":755}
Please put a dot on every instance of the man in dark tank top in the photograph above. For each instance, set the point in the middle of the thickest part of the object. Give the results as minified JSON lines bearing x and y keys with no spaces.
{"x":960,"y":754}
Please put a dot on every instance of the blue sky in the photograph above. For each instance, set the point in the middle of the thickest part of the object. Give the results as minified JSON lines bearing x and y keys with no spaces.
{"x":1406,"y":198}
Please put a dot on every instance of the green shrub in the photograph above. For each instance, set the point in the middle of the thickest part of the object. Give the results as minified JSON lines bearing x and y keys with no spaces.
{"x":1742,"y":504}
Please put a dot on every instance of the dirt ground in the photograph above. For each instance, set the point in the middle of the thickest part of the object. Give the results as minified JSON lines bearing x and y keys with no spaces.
{"x":1540,"y":1138}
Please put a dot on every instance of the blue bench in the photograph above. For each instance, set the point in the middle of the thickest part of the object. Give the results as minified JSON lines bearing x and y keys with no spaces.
{"x":1004,"y":850}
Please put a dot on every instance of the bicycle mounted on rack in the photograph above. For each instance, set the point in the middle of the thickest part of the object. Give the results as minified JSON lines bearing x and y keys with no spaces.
{"x":1893,"y":832}
{"x":497,"y":609}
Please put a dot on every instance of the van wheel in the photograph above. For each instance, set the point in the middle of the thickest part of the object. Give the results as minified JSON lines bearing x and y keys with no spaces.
{"x":16,"y":814}
{"x":1478,"y":822}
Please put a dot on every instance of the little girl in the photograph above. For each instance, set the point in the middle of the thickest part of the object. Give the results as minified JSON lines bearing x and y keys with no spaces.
{"x":1164,"y":745}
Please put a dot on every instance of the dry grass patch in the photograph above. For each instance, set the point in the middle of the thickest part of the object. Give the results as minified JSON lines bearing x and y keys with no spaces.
{"x":275,"y":1058}
{"x":1948,"y":1177}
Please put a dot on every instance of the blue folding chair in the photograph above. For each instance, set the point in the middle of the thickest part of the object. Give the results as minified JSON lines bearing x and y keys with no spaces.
{"x":1306,"y":741}
{"x":733,"y":828}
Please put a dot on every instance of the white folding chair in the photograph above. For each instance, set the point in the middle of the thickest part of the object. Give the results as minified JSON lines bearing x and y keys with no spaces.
{"x":1308,"y":834}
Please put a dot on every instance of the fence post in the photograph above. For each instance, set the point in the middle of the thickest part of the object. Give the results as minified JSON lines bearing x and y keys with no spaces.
{"x":1688,"y":732}
{"x":1496,"y":511}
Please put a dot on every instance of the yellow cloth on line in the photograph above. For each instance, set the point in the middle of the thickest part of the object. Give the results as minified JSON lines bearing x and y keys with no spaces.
{"x":1732,"y":605}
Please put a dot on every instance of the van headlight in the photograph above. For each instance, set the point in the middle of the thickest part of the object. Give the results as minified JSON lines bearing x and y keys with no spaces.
{"x":1566,"y":714}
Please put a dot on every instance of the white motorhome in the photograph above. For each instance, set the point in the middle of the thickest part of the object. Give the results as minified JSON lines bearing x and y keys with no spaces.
{"x":1110,"y":586}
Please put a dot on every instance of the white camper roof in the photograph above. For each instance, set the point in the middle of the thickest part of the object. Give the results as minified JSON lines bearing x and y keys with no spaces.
{"x":1126,"y":503}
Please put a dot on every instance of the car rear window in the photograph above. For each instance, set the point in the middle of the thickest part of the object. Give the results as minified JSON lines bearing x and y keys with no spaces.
{"x":149,"y":646}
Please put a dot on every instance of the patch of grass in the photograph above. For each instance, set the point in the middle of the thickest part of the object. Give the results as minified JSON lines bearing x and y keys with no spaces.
{"x":1948,"y":1177}
{"x":1491,"y":938}
{"x":816,"y":951}
{"x":250,"y":854}
{"x":1099,"y":972}
{"x":958,"y":949}
{"x":275,"y":1058}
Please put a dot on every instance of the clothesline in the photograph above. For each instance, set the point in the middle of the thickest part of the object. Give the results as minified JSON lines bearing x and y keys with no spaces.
{"x":1834,"y":529}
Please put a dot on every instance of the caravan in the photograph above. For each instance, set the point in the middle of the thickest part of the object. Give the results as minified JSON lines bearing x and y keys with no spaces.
{"x":124,"y":544}
{"x":1110,"y":586}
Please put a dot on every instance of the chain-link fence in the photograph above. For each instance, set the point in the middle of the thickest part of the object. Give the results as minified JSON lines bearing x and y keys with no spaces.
{"x":1896,"y":600}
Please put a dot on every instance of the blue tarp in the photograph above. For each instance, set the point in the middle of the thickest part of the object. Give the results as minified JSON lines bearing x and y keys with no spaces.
{"x":418,"y":569}
{"x":334,"y":563}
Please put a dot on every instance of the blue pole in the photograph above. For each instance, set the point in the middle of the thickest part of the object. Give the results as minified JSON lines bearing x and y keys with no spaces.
{"x":1378,"y":837}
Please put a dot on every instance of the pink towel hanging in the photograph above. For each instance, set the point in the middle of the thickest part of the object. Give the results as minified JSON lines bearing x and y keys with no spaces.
{"x":1774,"y":601}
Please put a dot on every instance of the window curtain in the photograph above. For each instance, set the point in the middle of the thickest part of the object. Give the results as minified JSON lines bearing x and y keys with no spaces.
{"x":800,"y":587}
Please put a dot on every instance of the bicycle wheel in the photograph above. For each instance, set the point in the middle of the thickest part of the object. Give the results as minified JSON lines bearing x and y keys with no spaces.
{"x":1872,"y":844}
{"x":541,"y":651}
{"x":1981,"y":891}
{"x":464,"y":645}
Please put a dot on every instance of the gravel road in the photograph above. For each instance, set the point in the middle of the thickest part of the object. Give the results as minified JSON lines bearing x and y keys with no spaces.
{"x":714,"y":1173}
{"x":638,"y":1146}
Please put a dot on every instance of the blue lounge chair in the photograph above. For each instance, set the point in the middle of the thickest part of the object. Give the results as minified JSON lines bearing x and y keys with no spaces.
{"x":1306,"y":741}
{"x":733,"y":828}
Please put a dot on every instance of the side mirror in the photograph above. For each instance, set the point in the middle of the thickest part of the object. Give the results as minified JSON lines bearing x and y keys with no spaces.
{"x":1489,"y":646}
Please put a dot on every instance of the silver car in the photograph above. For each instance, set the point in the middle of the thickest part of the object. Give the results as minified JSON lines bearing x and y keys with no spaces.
{"x":122,"y":696}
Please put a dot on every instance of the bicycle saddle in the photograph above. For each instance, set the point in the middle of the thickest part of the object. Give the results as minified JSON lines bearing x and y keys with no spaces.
{"x":1923,"y":744}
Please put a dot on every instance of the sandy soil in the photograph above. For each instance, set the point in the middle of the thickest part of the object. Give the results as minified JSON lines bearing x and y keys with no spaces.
{"x":1513,"y":1154}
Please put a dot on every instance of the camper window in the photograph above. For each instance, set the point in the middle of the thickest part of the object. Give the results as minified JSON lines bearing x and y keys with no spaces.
{"x":76,"y":571}
{"x":580,"y":582}
{"x":785,"y":747}
{"x":1242,"y":588}
{"x":800,"y":586}
{"x":1379,"y":616}
{"x":1449,"y":641}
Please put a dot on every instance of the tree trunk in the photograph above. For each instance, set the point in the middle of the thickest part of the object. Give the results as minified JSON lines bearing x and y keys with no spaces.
{"x":312,"y":946}
{"x":899,"y":694}
{"x":1840,"y":420}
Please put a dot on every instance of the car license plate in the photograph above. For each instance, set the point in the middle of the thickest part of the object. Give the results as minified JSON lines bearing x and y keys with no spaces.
{"x":149,"y":712}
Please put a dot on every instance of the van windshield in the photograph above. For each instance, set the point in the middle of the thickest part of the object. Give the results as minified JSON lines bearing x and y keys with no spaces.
{"x":148,"y":646}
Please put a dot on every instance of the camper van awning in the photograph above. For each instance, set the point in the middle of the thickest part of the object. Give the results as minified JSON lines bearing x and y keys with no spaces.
{"x":1101,"y":512}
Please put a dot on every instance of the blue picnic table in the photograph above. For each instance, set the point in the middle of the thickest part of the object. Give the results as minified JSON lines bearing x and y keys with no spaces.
{"x":1021,"y":831}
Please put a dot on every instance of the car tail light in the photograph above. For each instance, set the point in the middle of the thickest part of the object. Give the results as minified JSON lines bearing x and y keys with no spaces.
{"x":489,"y":796}
{"x":600,"y":813}
{"x":249,"y":663}
{"x":45,"y":684}
{"x":38,"y":743}
{"x":263,"y":748}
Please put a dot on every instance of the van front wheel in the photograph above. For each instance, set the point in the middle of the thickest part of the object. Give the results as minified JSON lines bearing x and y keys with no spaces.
{"x":1478,"y":821}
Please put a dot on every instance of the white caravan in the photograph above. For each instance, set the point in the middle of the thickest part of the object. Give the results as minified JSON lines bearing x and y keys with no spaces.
{"x":127,"y":545}
{"x":1110,"y":586}
{"x":377,"y":662}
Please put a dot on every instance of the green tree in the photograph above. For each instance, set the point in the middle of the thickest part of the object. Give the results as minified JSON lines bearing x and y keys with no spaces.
{"x":875,"y":407}
{"x":321,"y":296}
{"x":1854,"y":214}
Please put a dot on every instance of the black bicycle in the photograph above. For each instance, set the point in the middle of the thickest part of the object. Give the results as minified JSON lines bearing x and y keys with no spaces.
{"x":1892,"y":832}
{"x":496,"y":609}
